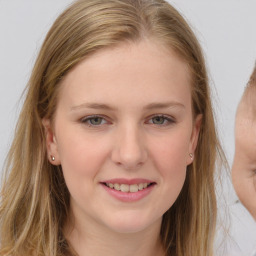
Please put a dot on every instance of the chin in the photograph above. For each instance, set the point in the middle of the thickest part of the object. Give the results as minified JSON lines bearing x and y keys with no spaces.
{"x":133,"y":224}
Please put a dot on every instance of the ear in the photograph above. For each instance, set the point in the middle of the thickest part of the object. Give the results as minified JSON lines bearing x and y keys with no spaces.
{"x":51,"y":143}
{"x":194,"y":138}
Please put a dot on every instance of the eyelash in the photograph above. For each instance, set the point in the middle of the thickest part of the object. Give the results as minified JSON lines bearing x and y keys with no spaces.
{"x":166,"y":119}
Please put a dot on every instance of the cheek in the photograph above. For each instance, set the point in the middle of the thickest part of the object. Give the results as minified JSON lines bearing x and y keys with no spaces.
{"x":170,"y":153}
{"x":80,"y":155}
{"x":170,"y":158}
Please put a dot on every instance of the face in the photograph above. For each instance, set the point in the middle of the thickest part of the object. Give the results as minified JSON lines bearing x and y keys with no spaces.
{"x":123,"y":132}
{"x":244,"y":163}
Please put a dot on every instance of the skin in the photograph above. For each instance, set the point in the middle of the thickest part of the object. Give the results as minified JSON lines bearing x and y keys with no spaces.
{"x":129,"y":87}
{"x":244,"y":165}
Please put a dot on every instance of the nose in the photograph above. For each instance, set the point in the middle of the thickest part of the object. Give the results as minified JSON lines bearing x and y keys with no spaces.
{"x":129,"y":149}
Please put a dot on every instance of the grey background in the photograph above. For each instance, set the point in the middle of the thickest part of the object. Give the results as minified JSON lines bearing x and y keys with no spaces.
{"x":226,"y":31}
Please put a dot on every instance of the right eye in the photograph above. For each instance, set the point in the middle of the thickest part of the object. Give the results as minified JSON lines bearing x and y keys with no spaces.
{"x":94,"y":120}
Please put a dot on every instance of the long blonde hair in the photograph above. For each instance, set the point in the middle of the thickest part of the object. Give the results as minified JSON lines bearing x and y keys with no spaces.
{"x":34,"y":197}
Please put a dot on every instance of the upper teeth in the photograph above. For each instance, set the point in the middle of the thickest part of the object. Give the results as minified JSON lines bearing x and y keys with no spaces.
{"x":128,"y":188}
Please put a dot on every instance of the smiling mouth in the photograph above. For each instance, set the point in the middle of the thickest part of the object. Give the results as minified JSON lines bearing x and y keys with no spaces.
{"x":133,"y":188}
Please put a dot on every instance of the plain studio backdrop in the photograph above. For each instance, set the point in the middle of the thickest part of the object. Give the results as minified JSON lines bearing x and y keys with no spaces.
{"x":227,"y":32}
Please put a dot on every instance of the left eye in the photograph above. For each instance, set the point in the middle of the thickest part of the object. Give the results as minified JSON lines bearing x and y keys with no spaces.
{"x":161,"y":120}
{"x":94,"y":120}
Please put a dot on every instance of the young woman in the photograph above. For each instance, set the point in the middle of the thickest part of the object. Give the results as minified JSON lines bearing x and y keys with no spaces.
{"x":115,"y":147}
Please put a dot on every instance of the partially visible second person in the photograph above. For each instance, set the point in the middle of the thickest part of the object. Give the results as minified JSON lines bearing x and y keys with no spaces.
{"x":244,"y":165}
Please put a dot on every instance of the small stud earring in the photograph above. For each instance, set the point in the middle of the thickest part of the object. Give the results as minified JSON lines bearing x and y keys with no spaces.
{"x":53,"y":158}
{"x":191,"y":155}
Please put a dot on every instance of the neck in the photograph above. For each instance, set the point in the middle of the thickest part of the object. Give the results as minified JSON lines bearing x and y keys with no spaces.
{"x":98,"y":240}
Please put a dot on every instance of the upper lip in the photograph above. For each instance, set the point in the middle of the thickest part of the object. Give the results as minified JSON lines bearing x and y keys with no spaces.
{"x":127,"y":181}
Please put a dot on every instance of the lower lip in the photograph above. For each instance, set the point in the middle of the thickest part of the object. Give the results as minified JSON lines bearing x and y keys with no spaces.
{"x":129,"y":196}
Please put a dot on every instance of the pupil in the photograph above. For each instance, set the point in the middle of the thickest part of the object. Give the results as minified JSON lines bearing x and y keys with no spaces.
{"x":96,"y":121}
{"x":158,"y":120}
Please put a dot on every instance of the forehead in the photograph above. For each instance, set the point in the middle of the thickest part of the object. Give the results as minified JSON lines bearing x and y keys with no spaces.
{"x":142,"y":66}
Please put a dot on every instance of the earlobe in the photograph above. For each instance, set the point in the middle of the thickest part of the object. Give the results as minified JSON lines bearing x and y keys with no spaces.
{"x":51,"y":143}
{"x":194,"y":138}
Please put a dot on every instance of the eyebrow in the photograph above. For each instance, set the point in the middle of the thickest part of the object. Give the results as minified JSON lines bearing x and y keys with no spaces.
{"x":154,"y":105}
{"x":164,"y":105}
{"x":93,"y":106}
